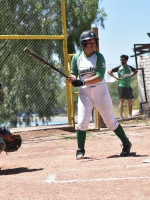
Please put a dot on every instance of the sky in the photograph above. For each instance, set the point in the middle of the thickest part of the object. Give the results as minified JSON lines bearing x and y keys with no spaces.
{"x":127,"y":23}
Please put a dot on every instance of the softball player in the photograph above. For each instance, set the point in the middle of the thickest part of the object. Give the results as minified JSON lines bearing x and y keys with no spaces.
{"x":89,"y":67}
{"x":125,"y":72}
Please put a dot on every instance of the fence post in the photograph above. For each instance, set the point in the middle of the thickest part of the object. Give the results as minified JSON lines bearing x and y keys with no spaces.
{"x":66,"y":60}
{"x":98,"y":121}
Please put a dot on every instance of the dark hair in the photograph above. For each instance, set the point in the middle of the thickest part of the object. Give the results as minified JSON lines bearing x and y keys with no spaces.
{"x":124,"y":56}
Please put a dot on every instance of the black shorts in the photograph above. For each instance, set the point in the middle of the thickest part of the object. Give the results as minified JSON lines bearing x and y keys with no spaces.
{"x":125,"y":93}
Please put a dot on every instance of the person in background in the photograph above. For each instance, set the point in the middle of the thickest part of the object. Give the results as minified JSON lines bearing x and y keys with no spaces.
{"x":125,"y":91}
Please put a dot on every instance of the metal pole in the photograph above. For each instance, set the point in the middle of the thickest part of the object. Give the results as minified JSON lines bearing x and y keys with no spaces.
{"x":66,"y":60}
{"x":98,"y":121}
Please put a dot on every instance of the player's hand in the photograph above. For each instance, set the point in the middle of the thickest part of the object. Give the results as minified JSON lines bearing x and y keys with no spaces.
{"x":78,"y":83}
{"x":118,"y":78}
{"x":71,"y":78}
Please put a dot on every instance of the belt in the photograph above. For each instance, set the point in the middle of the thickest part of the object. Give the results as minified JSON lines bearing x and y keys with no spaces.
{"x":93,"y":86}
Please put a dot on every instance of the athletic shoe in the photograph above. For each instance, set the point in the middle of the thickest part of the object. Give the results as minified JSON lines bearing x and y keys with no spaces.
{"x":80,"y":154}
{"x":126,"y":149}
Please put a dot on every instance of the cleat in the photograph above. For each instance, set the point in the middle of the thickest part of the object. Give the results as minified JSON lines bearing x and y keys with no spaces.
{"x":80,"y":154}
{"x":126,"y":149}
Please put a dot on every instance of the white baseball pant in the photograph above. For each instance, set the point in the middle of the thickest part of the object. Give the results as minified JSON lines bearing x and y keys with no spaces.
{"x":99,"y":96}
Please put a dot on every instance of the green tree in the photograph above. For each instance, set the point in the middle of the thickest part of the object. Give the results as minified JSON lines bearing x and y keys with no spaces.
{"x":81,"y":14}
{"x":29,"y":87}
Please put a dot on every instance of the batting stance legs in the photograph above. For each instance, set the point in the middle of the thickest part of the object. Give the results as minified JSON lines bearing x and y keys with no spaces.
{"x":98,"y":96}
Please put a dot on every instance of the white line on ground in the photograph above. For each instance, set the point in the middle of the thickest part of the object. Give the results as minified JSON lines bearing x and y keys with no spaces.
{"x":146,"y":161}
{"x":51,"y":179}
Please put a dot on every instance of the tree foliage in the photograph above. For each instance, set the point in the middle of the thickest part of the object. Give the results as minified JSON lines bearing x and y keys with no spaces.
{"x":28,"y":86}
{"x":81,"y":14}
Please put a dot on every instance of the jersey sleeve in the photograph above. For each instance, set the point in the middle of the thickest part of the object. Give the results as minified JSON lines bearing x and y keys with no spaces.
{"x":132,"y":69}
{"x":115,"y":69}
{"x":74,"y":68}
{"x":100,"y":66}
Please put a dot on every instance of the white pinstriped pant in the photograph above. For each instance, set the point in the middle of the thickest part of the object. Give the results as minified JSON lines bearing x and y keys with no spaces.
{"x":100,"y":97}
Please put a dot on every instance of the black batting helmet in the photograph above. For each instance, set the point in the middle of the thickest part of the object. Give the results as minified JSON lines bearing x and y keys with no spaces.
{"x":87,"y":35}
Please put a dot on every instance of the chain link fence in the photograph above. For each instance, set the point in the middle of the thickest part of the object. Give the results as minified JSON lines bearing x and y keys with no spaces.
{"x":31,"y":94}
{"x":35,"y":17}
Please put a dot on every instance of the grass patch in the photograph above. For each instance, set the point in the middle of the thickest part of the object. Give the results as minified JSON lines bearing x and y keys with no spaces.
{"x":102,"y":133}
{"x":137,"y":121}
{"x":89,"y":133}
{"x":147,"y":121}
{"x":69,"y":137}
{"x":93,"y":136}
{"x":113,"y":135}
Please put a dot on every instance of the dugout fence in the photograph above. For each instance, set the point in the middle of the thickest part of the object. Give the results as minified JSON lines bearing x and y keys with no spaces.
{"x":142,"y":60}
{"x":33,"y":94}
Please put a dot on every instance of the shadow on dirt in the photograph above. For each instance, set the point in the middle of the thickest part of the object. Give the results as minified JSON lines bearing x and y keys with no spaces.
{"x":132,"y":154}
{"x":18,"y":171}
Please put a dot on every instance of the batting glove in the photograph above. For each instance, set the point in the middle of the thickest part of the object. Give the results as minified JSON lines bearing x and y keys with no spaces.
{"x":78,"y":83}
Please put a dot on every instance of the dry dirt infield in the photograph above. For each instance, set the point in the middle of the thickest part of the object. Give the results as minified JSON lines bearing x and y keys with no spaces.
{"x":45,"y":167}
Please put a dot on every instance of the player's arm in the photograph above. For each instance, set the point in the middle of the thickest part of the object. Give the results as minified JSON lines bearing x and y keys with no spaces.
{"x":135,"y":71}
{"x":93,"y":80}
{"x":110,"y":72}
{"x":74,"y":70}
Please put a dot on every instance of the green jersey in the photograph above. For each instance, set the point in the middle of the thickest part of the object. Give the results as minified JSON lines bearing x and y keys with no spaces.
{"x":124,"y":73}
{"x":85,"y":67}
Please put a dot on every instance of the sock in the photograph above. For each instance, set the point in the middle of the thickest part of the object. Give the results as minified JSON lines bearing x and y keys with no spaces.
{"x":81,"y":136}
{"x":121,"y":134}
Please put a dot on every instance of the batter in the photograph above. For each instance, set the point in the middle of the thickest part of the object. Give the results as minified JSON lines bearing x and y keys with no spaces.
{"x":89,"y":67}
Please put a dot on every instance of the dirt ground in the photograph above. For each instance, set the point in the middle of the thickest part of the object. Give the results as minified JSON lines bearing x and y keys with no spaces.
{"x":45,"y":168}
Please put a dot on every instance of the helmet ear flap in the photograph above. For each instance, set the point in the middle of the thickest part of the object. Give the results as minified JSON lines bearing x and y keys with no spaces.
{"x":83,"y":43}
